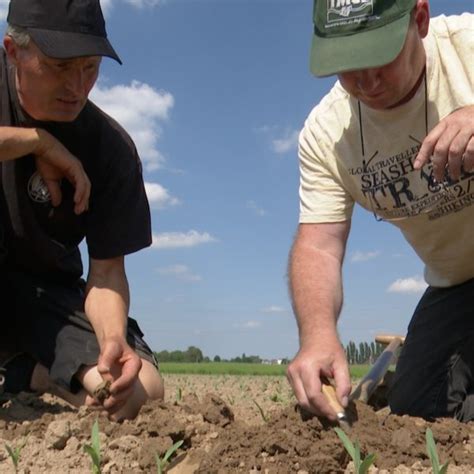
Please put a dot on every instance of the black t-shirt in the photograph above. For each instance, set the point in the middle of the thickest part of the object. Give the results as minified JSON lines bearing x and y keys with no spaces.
{"x":44,"y":240}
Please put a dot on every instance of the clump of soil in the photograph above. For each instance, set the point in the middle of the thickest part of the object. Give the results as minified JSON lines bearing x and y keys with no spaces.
{"x":222,"y":432}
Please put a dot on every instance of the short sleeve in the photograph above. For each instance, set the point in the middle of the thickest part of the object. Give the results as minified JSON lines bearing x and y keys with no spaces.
{"x":323,"y":197}
{"x":119,"y":220}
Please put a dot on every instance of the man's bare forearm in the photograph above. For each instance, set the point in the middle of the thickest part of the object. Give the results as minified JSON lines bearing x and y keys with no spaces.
{"x":316,"y":293}
{"x":316,"y":281}
{"x":17,"y":141}
{"x":316,"y":289}
{"x":53,"y":162}
{"x":107,"y":299}
{"x":106,"y":305}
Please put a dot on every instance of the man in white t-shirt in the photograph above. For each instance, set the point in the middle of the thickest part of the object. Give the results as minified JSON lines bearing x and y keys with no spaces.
{"x":396,"y":135}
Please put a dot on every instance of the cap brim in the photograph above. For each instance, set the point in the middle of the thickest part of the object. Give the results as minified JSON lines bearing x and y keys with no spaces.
{"x":362,"y":50}
{"x":67,"y":45}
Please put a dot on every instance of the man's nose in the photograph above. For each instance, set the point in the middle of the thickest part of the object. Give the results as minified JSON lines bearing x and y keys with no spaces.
{"x":76,"y":82}
{"x":368,"y":80}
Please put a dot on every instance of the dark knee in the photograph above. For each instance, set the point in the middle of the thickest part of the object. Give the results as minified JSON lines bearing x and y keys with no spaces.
{"x":403,"y":399}
{"x":398,"y":402}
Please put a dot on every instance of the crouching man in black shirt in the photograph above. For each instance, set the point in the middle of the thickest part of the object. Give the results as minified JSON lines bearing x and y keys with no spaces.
{"x":61,"y":334}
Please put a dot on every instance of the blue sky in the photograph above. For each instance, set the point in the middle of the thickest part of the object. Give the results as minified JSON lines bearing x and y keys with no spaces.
{"x":214,"y":93}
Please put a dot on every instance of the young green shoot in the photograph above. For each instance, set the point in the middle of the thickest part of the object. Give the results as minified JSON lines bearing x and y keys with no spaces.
{"x":361,"y":466}
{"x":15,"y":453}
{"x":262,"y":413}
{"x":179,"y":394}
{"x":162,"y":463}
{"x":433,"y":454}
{"x":276,"y":397}
{"x":93,"y":449}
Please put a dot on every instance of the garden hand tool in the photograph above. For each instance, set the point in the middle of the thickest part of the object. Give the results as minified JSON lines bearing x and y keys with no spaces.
{"x":369,"y":383}
{"x":331,"y":396}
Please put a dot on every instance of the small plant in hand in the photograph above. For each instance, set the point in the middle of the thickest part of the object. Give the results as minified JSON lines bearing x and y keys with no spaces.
{"x":93,"y":449}
{"x":162,"y":463}
{"x":102,"y":391}
{"x":361,"y":466}
{"x":15,"y":453}
{"x":433,"y":454}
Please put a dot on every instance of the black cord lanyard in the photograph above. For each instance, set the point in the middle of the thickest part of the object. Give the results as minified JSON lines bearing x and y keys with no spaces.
{"x":361,"y":128}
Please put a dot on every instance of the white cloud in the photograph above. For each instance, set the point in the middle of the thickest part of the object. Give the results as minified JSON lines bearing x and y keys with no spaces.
{"x":139,"y":108}
{"x":256,"y":209}
{"x":252,"y":324}
{"x":265,"y":129}
{"x":364,"y":256}
{"x":288,"y":142}
{"x":143,"y":3}
{"x":4,"y":9}
{"x":159,"y":197}
{"x":192,"y":238}
{"x":282,"y":140}
{"x":274,"y":309}
{"x":415,"y":284}
{"x":107,"y":4}
{"x":182,"y":272}
{"x":177,"y":298}
{"x":248,"y":325}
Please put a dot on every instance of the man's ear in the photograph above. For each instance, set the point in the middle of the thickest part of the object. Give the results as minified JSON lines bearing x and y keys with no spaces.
{"x":422,"y":17}
{"x":11,"y":48}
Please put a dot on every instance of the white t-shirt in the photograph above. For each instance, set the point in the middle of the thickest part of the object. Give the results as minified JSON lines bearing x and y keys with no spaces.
{"x":367,"y":157}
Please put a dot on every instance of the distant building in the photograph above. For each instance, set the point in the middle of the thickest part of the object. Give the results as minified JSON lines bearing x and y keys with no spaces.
{"x":272,"y":361}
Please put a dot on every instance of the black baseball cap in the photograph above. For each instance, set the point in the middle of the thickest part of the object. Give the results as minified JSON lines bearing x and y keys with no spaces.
{"x":63,"y":29}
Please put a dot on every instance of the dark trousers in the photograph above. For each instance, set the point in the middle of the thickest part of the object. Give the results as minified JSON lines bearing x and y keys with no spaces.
{"x":435,"y":371}
{"x":47,"y":321}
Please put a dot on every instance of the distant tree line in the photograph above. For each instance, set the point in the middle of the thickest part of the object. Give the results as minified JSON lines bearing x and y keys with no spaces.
{"x":364,"y":353}
{"x":251,"y":359}
{"x":191,"y":354}
{"x":194,"y":354}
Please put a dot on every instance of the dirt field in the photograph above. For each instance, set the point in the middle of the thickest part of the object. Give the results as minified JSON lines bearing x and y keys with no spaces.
{"x":224,"y":431}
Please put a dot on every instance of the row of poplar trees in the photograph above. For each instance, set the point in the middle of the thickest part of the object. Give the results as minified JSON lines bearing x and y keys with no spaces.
{"x":363,"y":353}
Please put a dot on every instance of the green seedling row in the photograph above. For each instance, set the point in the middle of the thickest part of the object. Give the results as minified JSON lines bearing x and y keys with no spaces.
{"x":15,"y":453}
{"x":362,"y":465}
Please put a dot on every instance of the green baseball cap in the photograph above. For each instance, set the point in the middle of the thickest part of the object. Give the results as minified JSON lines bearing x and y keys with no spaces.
{"x":357,"y":34}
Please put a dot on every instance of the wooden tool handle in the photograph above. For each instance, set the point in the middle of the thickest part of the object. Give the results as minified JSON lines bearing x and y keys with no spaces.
{"x":387,"y":338}
{"x":331,"y":396}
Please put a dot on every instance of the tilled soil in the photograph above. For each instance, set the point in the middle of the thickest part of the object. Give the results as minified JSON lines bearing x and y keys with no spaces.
{"x":227,"y":424}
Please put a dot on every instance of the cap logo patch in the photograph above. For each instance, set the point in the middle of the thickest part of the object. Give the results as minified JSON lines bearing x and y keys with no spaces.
{"x":340,"y":10}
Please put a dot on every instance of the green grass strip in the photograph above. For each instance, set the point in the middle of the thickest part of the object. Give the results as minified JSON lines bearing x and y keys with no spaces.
{"x":221,"y":368}
{"x":235,"y":368}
